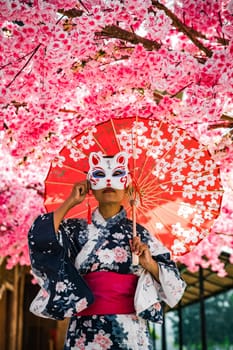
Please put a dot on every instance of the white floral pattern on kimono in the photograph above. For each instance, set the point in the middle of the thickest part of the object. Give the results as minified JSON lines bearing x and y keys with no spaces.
{"x":60,"y":261}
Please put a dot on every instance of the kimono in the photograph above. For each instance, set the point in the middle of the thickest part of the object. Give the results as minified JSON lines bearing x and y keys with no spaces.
{"x":60,"y":261}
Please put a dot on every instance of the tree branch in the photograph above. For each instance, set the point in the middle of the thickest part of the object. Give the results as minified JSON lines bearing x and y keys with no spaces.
{"x":182,"y":27}
{"x":71,"y":13}
{"x":18,"y":59}
{"x":227,"y":117}
{"x":25,"y":65}
{"x":116,"y":32}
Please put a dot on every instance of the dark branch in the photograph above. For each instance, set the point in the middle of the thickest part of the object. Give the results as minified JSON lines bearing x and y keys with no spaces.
{"x":182,"y":27}
{"x":25,"y":65}
{"x":72,"y":13}
{"x":181,"y":90}
{"x":18,"y":59}
{"x":227,"y":117}
{"x":116,"y":32}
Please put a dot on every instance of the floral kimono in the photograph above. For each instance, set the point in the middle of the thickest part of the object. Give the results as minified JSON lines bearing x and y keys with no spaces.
{"x":100,"y":251}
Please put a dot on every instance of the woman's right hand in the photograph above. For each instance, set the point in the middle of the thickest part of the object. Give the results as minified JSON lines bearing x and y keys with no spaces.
{"x":76,"y":196}
{"x":78,"y":193}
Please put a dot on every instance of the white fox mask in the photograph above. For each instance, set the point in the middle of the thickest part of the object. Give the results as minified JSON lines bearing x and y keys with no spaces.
{"x":107,"y":171}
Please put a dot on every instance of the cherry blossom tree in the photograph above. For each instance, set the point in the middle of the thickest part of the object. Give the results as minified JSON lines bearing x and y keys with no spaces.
{"x":66,"y":65}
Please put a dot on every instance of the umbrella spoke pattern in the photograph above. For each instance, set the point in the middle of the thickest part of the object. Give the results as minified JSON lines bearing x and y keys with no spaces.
{"x":176,"y":185}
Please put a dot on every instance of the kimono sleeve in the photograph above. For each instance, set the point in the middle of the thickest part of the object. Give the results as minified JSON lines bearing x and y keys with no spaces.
{"x":63,"y":291}
{"x":171,"y":286}
{"x":150,"y":293}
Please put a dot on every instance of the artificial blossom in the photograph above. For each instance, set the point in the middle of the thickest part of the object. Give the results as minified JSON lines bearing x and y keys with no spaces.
{"x":66,"y":65}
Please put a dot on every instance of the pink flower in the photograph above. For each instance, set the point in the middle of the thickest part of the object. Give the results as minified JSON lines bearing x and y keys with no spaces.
{"x":103,"y":340}
{"x":120,"y":255}
{"x":81,"y":304}
{"x":80,"y":343}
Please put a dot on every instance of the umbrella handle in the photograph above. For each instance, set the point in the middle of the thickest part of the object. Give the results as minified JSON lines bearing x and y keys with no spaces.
{"x":135,"y":258}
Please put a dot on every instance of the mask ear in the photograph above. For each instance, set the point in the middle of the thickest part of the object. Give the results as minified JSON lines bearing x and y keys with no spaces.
{"x":94,"y":159}
{"x":121,"y":158}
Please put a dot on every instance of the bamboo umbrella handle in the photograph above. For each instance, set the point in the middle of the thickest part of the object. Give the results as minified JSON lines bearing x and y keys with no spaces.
{"x":135,"y":258}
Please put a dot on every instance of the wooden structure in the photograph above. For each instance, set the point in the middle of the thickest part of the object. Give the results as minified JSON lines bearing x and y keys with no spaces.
{"x":201,"y":285}
{"x":12,"y":283}
{"x":21,"y":329}
{"x":206,"y":283}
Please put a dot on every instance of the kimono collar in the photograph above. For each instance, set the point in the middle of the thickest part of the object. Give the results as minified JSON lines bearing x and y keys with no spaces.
{"x":99,"y":221}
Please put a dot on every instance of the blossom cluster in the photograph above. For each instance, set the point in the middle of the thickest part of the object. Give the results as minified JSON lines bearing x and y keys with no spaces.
{"x":67,"y":64}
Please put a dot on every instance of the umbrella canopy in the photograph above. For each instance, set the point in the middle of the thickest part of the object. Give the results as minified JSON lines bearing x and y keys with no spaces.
{"x":176,"y":184}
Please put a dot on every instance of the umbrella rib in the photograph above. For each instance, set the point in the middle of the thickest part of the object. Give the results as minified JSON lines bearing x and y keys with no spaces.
{"x":134,"y":140}
{"x":115,"y":134}
{"x":204,"y":148}
{"x":155,"y":195}
{"x":174,"y":142}
{"x":154,"y":187}
{"x":157,"y":217}
{"x":186,"y":159}
{"x":153,"y":142}
{"x":154,"y":201}
{"x":146,"y":156}
{"x":75,"y":169}
{"x":150,"y":183}
{"x":99,"y":145}
{"x":183,"y":218}
{"x":154,"y":198}
{"x":163,"y":223}
{"x":58,"y":183}
{"x":79,"y":150}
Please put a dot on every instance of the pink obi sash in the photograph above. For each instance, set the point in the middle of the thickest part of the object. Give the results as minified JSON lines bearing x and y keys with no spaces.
{"x":113,"y":293}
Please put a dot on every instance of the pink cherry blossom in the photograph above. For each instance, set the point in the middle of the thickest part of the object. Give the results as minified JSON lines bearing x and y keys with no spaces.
{"x":68,"y":65}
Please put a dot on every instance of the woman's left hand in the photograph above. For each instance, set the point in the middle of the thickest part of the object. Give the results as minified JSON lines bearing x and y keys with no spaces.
{"x":145,"y":259}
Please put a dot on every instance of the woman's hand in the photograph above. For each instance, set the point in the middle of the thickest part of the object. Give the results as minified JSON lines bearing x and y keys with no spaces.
{"x":145,"y":259}
{"x":76,"y":196}
{"x":78,"y":193}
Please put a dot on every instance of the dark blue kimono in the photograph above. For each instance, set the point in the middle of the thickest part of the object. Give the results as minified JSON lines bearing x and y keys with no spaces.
{"x":60,"y":260}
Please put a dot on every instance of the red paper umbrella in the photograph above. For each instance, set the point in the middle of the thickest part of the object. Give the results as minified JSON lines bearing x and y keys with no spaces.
{"x":176,"y":185}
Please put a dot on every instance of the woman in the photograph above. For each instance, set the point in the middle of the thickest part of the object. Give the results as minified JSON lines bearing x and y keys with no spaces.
{"x":86,"y":271}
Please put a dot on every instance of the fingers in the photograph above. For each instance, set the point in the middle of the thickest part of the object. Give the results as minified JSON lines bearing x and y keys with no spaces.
{"x":85,"y":186}
{"x":79,"y":192}
{"x":81,"y":188}
{"x":138,"y":247}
